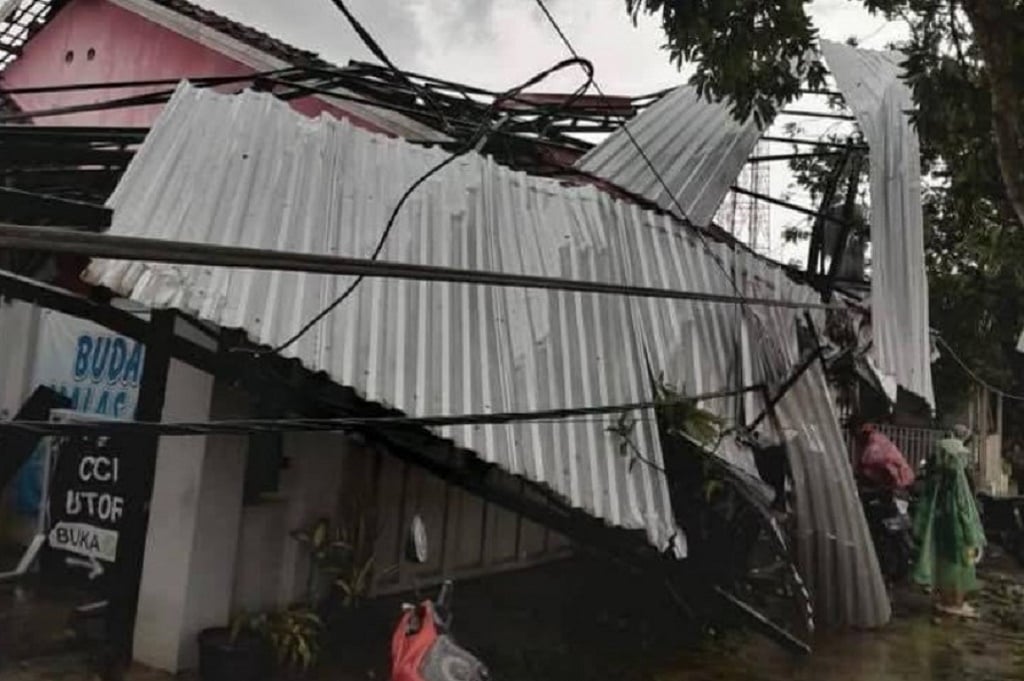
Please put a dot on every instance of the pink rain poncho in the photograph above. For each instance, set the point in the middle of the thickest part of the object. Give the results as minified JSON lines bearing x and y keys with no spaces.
{"x":881,"y":461}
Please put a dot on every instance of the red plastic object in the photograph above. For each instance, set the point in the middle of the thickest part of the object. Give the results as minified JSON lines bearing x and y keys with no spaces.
{"x":410,"y":643}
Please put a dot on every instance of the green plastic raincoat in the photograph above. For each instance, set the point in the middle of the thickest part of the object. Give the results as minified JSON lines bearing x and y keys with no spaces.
{"x":946,"y":523}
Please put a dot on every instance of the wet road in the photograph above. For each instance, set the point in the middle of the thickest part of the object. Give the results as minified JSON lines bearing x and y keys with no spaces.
{"x":914,"y":646}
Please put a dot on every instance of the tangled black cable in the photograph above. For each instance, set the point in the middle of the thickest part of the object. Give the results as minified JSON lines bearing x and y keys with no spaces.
{"x":379,"y":52}
{"x":481,"y":131}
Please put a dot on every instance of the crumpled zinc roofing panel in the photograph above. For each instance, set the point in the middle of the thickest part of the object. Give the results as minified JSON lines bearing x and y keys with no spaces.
{"x":833,"y":545}
{"x":246,"y":170}
{"x":696,"y":146}
{"x":870,"y":83}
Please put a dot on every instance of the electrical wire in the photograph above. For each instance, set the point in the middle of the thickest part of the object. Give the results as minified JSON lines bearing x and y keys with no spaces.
{"x":469,"y":146}
{"x":379,"y":52}
{"x":247,"y":426}
{"x":643,"y":155}
{"x":650,"y":165}
{"x":977,"y":379}
{"x":144,"y":249}
{"x":202,"y":81}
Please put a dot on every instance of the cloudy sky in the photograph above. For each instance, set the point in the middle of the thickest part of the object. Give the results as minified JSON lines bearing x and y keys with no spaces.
{"x":498,"y":43}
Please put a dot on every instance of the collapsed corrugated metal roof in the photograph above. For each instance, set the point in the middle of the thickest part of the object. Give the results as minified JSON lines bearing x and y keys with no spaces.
{"x":831,"y":534}
{"x":245,"y":170}
{"x":696,"y":146}
{"x":871,"y":84}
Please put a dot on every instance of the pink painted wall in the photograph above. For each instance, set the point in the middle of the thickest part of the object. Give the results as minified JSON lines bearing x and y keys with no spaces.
{"x":93,"y":41}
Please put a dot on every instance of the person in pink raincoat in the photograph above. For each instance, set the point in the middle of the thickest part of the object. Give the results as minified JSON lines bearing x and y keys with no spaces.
{"x":881,"y":462}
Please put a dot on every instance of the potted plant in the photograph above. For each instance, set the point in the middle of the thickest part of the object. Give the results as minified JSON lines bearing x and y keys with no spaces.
{"x":248,"y":649}
{"x":293,"y":635}
{"x":235,"y":653}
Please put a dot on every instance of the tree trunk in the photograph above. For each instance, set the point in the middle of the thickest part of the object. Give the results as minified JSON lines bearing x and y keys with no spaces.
{"x":998,"y":25}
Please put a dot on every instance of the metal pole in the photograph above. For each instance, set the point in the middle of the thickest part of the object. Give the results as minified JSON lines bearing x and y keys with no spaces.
{"x":813,"y":143}
{"x":132,"y":542}
{"x":55,"y":240}
{"x":769,"y":199}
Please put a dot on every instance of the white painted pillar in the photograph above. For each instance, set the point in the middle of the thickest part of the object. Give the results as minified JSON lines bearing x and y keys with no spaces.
{"x":194,"y":520}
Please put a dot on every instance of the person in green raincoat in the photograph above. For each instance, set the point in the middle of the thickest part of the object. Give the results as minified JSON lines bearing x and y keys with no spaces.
{"x":948,"y":530}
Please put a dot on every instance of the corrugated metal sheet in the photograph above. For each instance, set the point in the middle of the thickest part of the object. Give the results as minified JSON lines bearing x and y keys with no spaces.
{"x":834,"y":549}
{"x":246,"y":170}
{"x":870,"y":83}
{"x":697,"y":147}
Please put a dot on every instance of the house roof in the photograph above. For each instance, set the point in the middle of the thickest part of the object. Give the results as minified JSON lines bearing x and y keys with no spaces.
{"x":29,"y":16}
{"x":246,"y":34}
{"x":254,"y":48}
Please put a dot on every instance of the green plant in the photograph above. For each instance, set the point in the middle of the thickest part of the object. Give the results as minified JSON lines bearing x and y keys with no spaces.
{"x":327,"y":550}
{"x":292,"y":633}
{"x":344,"y":554}
{"x":354,"y":582}
{"x":679,"y":415}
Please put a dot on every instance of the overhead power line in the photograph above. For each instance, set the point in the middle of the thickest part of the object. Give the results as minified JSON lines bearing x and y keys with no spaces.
{"x":480,"y":134}
{"x":108,"y":427}
{"x":977,"y":379}
{"x":112,"y":247}
{"x":647,"y":160}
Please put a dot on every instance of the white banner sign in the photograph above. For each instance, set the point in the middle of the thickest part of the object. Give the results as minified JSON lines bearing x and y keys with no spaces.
{"x":97,"y":369}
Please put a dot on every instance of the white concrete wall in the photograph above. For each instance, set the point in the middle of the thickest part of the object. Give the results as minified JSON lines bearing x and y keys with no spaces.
{"x":260,"y":561}
{"x":311,"y":484}
{"x":272,"y":568}
{"x":194,"y":520}
{"x":19,"y":330}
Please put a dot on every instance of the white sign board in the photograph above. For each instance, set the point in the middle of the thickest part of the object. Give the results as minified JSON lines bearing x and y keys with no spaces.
{"x":85,"y":540}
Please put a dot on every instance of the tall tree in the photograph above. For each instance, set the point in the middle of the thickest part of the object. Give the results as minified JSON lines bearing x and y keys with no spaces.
{"x":761,"y":54}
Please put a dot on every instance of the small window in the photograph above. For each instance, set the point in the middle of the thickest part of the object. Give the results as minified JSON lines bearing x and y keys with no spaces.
{"x":91,"y":54}
{"x":69,"y":56}
{"x":263,"y":466}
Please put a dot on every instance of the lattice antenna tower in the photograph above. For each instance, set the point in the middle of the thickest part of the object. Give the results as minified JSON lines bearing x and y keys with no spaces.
{"x":746,"y":217}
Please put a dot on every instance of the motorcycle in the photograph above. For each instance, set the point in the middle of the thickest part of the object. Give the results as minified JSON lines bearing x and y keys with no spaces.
{"x":422,"y":646}
{"x":884,"y":481}
{"x":1003,"y":520}
{"x":888,"y":518}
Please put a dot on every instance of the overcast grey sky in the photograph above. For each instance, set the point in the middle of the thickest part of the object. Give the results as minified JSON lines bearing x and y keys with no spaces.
{"x":498,"y":43}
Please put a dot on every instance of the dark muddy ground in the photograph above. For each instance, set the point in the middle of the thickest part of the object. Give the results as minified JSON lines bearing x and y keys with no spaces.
{"x":567,"y":638}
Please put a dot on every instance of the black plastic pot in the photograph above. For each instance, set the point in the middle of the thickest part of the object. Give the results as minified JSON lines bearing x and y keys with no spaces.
{"x":246,"y":658}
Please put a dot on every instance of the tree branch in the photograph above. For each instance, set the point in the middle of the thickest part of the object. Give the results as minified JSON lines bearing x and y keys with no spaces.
{"x":995,"y":27}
